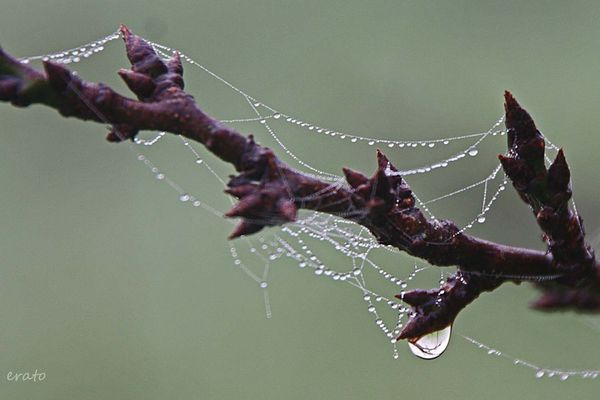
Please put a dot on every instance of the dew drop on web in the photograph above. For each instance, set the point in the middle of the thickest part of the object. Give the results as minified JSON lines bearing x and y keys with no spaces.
{"x":432,"y":345}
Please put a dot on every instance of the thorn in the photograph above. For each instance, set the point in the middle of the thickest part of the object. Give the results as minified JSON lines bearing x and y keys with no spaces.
{"x":509,"y":100}
{"x":354,"y":178}
{"x":414,"y":329}
{"x":141,"y":55}
{"x":509,"y":165}
{"x":241,"y":190}
{"x":59,"y":77}
{"x":518,"y":122}
{"x":175,"y":68}
{"x":245,"y":228}
{"x":246,"y":207}
{"x":416,"y":297}
{"x":383,"y":162}
{"x":125,"y":31}
{"x":140,"y":84}
{"x":559,"y":174}
{"x":423,"y":324}
{"x":174,"y":64}
{"x":517,"y":170}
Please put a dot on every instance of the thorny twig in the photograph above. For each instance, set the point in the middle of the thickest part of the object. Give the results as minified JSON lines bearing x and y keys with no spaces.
{"x":270,"y":192}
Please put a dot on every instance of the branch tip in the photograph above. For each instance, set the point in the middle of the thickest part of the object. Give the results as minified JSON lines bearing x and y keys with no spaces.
{"x":354,"y":178}
{"x":125,"y":31}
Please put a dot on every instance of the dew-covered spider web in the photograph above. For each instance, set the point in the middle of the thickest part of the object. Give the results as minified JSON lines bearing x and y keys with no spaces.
{"x":326,"y":246}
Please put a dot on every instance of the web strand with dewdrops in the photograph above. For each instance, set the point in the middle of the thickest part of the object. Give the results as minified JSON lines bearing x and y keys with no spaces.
{"x":329,"y":246}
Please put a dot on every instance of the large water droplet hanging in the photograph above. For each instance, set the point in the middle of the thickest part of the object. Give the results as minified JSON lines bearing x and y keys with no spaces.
{"x":432,"y":345}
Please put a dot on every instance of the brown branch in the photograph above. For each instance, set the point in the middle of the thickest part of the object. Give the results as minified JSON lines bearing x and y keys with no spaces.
{"x":271,"y":192}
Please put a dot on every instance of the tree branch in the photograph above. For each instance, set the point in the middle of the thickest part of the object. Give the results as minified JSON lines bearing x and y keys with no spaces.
{"x":270,"y":192}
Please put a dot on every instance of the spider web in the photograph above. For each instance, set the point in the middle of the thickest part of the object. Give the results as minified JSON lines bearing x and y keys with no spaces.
{"x":331,"y":247}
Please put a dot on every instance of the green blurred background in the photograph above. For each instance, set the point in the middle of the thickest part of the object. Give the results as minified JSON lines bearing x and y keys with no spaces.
{"x":115,"y":291}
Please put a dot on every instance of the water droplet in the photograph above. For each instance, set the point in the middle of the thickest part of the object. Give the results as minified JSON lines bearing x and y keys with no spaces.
{"x":277,"y":116}
{"x":184,"y":197}
{"x":481,"y":220}
{"x":539,"y":374}
{"x":564,"y":377}
{"x":432,"y":345}
{"x":371,"y":309}
{"x":371,"y":143}
{"x":473,"y":152}
{"x":199,"y":161}
{"x":160,"y":177}
{"x":264,"y":285}
{"x":431,"y":144}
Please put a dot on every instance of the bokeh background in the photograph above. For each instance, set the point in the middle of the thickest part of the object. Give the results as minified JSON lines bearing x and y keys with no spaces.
{"x":116,"y":291}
